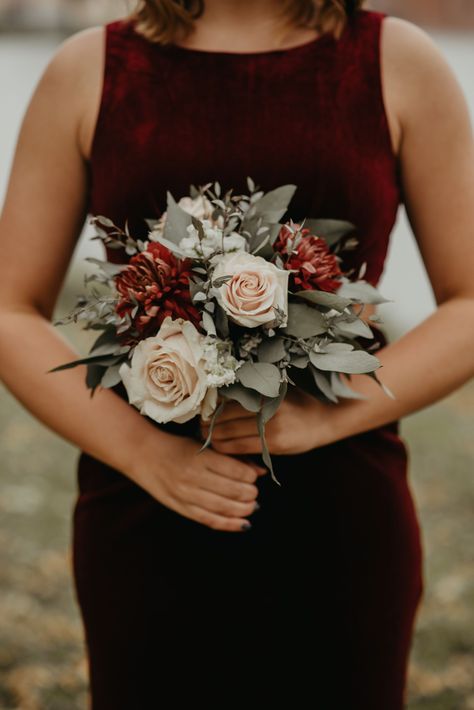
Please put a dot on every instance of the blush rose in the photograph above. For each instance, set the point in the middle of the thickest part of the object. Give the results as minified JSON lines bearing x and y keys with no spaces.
{"x":256,"y":288}
{"x":166,"y":379}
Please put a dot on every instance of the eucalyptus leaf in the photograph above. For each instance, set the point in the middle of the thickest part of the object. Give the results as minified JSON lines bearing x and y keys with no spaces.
{"x":354,"y":361}
{"x":177,"y":221}
{"x":106,"y":360}
{"x":260,"y":376}
{"x":342,"y":390}
{"x":107,"y":267}
{"x":273,"y":204}
{"x":324,"y":298}
{"x":111,"y":377}
{"x":323,"y":384}
{"x":271,"y":350}
{"x":299,"y":361}
{"x":94,"y":376}
{"x":214,"y":417}
{"x":355,"y":328}
{"x":271,"y":405}
{"x":362,"y":292}
{"x":384,"y":387}
{"x":172,"y":246}
{"x":267,"y":459}
{"x":330,"y":229}
{"x":208,"y":323}
{"x":106,"y":343}
{"x":336,"y":348}
{"x":222,"y":322}
{"x":304,"y":321}
{"x":249,"y":399}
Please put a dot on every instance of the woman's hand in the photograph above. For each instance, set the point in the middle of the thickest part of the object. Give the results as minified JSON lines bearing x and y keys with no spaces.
{"x":300,"y":424}
{"x":209,"y":487}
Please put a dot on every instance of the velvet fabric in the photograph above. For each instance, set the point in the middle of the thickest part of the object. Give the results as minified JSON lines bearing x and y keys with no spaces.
{"x":315,"y":605}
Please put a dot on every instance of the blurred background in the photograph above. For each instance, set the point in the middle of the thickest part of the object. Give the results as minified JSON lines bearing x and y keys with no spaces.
{"x":42,"y":662}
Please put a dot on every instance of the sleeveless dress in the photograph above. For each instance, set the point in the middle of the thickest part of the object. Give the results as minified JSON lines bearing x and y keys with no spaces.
{"x":314,"y":606}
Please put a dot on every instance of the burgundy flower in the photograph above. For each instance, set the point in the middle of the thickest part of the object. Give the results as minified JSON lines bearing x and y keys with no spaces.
{"x":316,"y":267}
{"x":155,"y":284}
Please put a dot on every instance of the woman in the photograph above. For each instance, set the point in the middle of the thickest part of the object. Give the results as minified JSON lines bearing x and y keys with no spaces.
{"x":314,"y":604}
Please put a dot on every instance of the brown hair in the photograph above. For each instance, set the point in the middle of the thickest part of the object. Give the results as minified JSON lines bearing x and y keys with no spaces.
{"x":164,"y":21}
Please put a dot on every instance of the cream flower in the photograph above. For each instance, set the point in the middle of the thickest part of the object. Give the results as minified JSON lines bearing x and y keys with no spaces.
{"x":166,"y":379}
{"x":199,"y":207}
{"x":256,"y":289}
{"x":213,"y":241}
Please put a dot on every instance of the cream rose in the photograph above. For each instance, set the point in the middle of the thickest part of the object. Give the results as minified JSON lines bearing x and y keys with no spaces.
{"x":255,"y":289}
{"x":199,"y":207}
{"x":166,"y":379}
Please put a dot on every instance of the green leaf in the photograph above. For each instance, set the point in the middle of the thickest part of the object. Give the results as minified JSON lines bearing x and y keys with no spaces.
{"x":107,"y":267}
{"x":215,"y":414}
{"x":362,"y":292}
{"x":249,"y":399}
{"x":265,"y":452}
{"x":354,"y":361}
{"x":177,"y":221}
{"x":352,"y":328}
{"x":94,"y":376}
{"x":260,"y":376}
{"x":222,"y":322}
{"x":271,"y":350}
{"x":342,"y":390}
{"x":172,"y":246}
{"x":336,"y":347}
{"x":106,"y":344}
{"x":273,"y":204}
{"x":330,"y":229}
{"x":384,"y":387}
{"x":324,"y":298}
{"x":111,"y":376}
{"x":105,"y":360}
{"x":304,"y":321}
{"x":299,"y":361}
{"x":323,"y":384}
{"x":271,"y":406}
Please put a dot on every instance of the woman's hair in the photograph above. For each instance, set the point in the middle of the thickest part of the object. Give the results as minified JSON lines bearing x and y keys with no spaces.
{"x":164,"y":21}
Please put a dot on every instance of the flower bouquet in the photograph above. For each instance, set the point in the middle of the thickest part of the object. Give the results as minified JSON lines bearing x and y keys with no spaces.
{"x":224,"y":302}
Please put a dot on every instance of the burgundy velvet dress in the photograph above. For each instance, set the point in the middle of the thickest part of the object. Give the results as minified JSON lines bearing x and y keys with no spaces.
{"x":315,"y":605}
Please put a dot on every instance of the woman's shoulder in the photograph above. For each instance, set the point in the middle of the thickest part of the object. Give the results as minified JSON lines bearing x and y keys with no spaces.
{"x":417,"y":77}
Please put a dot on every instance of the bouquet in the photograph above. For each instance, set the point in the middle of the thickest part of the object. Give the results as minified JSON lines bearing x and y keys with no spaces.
{"x":224,"y":302}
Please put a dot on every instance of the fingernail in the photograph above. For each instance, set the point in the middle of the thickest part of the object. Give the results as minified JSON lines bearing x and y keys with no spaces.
{"x":257,"y":505}
{"x":246,"y":526}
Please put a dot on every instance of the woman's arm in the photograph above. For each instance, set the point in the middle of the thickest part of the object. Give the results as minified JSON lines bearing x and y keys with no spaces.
{"x":432,"y":132}
{"x":43,"y":215}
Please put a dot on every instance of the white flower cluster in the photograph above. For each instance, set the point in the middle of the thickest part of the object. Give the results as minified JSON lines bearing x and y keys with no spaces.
{"x":249,"y":343}
{"x":195,"y":247}
{"x":219,"y":363}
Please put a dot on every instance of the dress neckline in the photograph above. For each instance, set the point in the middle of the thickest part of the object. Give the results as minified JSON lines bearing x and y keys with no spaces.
{"x":321,"y":39}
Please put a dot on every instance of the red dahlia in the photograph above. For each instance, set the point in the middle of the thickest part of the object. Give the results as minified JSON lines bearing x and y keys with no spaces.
{"x":316,"y":267}
{"x":155,"y":284}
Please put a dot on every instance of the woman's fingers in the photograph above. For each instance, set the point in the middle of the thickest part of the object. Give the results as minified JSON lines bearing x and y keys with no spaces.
{"x":235,"y":428}
{"x":232,"y":467}
{"x":243,"y":445}
{"x":236,"y":490}
{"x":218,"y":504}
{"x":216,"y":521}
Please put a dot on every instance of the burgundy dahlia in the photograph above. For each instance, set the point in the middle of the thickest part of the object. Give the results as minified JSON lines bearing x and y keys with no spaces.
{"x":316,"y":267}
{"x":155,"y":284}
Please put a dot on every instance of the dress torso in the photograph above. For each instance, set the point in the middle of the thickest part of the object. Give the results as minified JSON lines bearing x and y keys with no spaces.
{"x":315,"y":605}
{"x":312,"y":115}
